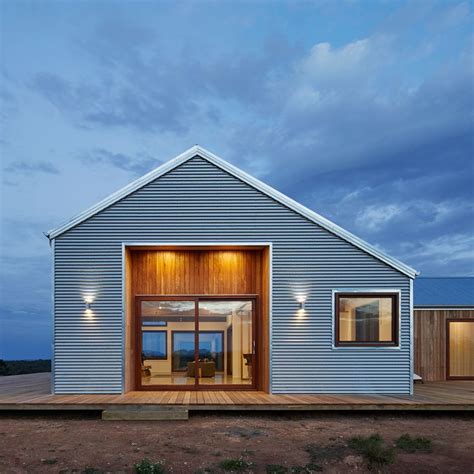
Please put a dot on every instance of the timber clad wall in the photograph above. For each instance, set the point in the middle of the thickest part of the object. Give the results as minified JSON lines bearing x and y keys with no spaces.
{"x":430,"y":341}
{"x":198,"y":201}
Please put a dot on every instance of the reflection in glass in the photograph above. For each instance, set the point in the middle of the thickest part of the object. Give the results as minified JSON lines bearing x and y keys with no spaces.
{"x":183,"y":349}
{"x":225,"y":342}
{"x":365,"y":319}
{"x":154,"y":345}
{"x":167,"y":317}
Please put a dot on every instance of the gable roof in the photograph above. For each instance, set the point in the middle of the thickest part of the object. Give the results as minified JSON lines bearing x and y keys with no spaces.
{"x":444,"y":292}
{"x":250,"y":180}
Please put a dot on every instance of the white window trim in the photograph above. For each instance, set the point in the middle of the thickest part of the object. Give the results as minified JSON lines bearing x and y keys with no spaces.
{"x":355,"y":291}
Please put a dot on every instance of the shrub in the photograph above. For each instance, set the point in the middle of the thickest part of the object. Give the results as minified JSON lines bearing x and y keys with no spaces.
{"x":373,"y":449}
{"x":234,"y":465}
{"x":308,"y":469}
{"x":19,"y":367}
{"x":145,"y":466}
{"x":411,"y":445}
{"x":276,"y":469}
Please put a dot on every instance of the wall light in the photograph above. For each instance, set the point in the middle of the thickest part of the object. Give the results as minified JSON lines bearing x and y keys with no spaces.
{"x":88,"y":305}
{"x":301,"y":303}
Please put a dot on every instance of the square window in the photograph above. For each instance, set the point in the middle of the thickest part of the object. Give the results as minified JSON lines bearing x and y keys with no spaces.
{"x":366,"y":319}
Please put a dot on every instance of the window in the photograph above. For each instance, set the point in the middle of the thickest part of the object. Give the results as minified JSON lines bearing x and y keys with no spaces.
{"x":154,"y":345}
{"x":211,"y":347}
{"x":366,"y":319}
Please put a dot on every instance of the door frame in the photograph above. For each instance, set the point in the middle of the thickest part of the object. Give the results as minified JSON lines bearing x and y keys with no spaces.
{"x":454,"y":320}
{"x":196,"y":298}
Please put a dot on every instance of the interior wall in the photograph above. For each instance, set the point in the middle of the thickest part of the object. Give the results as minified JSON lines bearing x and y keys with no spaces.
{"x":204,"y":271}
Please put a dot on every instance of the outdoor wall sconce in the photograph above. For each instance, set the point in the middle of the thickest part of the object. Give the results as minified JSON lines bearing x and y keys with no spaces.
{"x":301,"y":303}
{"x":88,"y":305}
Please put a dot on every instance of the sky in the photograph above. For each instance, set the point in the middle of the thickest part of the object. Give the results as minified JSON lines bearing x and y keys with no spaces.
{"x":360,"y":110}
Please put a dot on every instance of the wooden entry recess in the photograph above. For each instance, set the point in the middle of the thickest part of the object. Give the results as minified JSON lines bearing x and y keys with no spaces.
{"x":204,"y":270}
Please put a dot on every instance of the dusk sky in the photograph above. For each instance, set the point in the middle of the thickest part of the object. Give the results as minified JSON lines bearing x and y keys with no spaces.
{"x":361,"y":110}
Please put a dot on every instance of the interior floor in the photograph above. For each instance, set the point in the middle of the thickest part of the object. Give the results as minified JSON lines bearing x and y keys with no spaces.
{"x":180,"y":378}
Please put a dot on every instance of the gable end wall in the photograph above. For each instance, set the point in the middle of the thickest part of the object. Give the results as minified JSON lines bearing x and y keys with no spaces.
{"x":199,"y":202}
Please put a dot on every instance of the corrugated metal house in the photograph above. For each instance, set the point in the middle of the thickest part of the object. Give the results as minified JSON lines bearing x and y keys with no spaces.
{"x":198,"y":275}
{"x":444,"y":328}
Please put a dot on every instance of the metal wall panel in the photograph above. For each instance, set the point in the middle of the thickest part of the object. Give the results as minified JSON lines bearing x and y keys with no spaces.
{"x":200,"y":202}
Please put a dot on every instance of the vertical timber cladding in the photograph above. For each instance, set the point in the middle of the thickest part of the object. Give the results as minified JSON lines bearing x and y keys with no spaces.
{"x":199,"y":202}
{"x":207,"y":271}
{"x":431,"y":343}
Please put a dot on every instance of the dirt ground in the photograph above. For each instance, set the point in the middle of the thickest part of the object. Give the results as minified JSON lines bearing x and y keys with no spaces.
{"x":84,"y":443}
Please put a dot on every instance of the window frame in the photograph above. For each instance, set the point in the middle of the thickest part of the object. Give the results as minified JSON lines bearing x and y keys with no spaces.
{"x":394,"y":343}
{"x":165,"y":357}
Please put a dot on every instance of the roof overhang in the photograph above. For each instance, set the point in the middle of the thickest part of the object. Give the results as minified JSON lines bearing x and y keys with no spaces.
{"x":451,"y":307}
{"x":250,"y":180}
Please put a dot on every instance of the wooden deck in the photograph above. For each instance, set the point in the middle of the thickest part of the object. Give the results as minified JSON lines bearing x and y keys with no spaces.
{"x":31,"y":392}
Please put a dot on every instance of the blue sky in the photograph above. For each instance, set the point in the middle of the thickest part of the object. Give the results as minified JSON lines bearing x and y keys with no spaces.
{"x":361,"y":110}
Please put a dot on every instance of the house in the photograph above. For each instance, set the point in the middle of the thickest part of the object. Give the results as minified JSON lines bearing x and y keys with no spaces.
{"x":444,"y":328}
{"x":199,"y":276}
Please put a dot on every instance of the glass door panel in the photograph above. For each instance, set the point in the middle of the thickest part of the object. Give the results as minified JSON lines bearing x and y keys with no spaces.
{"x":167,"y":342}
{"x":461,"y":349}
{"x":226,"y":342}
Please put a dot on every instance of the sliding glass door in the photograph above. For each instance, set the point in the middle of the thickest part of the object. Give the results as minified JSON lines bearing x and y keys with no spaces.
{"x":193,"y":342}
{"x":233,"y":320}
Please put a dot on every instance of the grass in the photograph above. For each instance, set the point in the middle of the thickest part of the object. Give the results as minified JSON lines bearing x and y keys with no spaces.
{"x":411,"y":444}
{"x":373,"y":449}
{"x":234,"y":465}
{"x":145,"y":466}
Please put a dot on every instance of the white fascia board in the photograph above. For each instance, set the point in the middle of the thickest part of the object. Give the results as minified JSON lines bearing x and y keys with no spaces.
{"x":255,"y":183}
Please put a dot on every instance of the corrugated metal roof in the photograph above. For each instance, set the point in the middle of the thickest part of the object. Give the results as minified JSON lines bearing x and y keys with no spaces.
{"x":444,"y":291}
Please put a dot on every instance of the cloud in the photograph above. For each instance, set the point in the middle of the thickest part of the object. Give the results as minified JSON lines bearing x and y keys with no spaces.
{"x":421,"y":213}
{"x":375,"y":216}
{"x":433,"y":256}
{"x":139,"y":165}
{"x":29,"y":168}
{"x":114,"y":104}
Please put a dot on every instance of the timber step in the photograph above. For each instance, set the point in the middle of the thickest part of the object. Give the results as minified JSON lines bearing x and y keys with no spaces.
{"x":146,"y":413}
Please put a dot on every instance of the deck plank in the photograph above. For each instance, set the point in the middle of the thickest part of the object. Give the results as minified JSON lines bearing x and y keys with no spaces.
{"x":33,"y":390}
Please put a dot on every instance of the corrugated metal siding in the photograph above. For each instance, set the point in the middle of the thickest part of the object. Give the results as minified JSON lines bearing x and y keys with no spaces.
{"x":199,"y":202}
